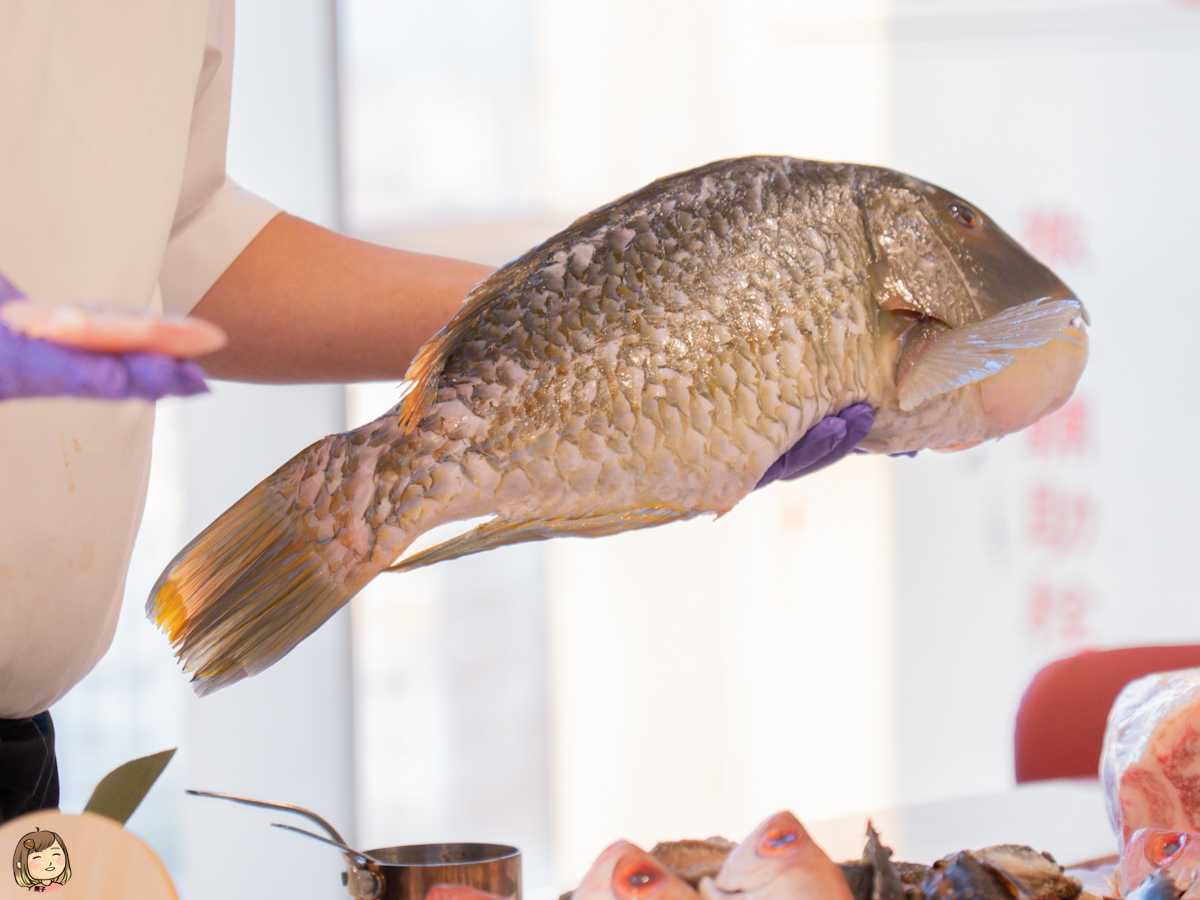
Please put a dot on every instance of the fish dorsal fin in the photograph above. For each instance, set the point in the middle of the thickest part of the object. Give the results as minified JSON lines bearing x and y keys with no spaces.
{"x":972,"y":352}
{"x":430,"y":360}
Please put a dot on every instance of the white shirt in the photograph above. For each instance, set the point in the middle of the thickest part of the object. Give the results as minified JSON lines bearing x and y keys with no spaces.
{"x":113,"y":120}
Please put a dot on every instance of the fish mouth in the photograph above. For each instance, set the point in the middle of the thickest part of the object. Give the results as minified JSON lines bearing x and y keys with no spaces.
{"x":1039,"y":381}
{"x":1076,"y":331}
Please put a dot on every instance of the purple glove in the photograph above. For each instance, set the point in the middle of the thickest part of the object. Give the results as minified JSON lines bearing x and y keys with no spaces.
{"x":32,"y":367}
{"x":823,"y":444}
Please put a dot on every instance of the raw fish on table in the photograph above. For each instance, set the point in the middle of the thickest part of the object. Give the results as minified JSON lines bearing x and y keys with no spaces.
{"x":1172,"y":856}
{"x":778,"y":861}
{"x":625,"y":871}
{"x":646,"y":365}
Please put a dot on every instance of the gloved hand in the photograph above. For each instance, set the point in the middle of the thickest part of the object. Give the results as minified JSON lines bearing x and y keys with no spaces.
{"x":823,"y":444}
{"x":114,"y":355}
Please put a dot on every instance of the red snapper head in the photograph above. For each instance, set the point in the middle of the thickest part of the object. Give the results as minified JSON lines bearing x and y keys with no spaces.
{"x":777,"y":844}
{"x":626,"y":872}
{"x":1150,"y":850}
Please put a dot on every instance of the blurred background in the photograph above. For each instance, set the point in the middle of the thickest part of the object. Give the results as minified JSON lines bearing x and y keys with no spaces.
{"x":856,"y":640}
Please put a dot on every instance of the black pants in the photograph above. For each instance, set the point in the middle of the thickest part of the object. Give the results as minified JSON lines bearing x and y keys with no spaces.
{"x":28,"y":769}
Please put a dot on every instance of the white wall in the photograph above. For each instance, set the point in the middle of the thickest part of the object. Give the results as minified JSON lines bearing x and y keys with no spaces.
{"x":1075,"y":126}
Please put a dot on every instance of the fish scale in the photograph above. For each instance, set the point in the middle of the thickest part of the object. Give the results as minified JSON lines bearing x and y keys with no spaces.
{"x":668,"y":332}
{"x":646,"y":365}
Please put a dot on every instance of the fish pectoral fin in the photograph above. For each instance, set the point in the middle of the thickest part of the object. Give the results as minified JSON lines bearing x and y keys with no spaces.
{"x":499,"y":532}
{"x":969,"y":353}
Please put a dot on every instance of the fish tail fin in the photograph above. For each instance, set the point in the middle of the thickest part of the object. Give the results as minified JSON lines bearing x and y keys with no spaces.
{"x":255,"y":583}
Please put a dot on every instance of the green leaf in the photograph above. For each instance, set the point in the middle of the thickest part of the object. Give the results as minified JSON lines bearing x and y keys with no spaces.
{"x":121,"y":791}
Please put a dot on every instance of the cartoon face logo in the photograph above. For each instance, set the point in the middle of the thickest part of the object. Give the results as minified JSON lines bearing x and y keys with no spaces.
{"x":40,"y":862}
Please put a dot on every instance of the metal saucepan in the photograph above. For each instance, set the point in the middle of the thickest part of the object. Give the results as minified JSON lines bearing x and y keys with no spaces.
{"x":408,"y":872}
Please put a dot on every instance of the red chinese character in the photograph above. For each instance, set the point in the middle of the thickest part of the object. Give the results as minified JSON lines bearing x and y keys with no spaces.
{"x":1059,"y":613}
{"x":1039,"y":610}
{"x":1066,"y":432}
{"x":1054,"y":236}
{"x":1061,"y":520}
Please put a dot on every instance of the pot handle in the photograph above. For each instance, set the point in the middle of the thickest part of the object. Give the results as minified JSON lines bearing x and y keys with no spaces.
{"x":360,"y":858}
{"x":270,"y":804}
{"x":362,"y":883}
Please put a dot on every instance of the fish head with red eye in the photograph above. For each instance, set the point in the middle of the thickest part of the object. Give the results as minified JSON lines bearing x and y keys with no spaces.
{"x":1173,"y":853}
{"x":962,"y":307}
{"x":638,"y":876}
{"x":770,"y":849}
{"x":938,"y":256}
{"x":624,"y":871}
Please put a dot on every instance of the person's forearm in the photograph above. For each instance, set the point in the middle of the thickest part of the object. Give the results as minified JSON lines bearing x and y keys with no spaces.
{"x":304,"y":304}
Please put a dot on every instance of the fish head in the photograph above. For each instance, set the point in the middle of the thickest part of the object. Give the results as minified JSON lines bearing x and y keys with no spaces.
{"x":939,"y":256}
{"x":624,"y":871}
{"x":964,"y":309}
{"x":1174,"y":855}
{"x":778,"y":844}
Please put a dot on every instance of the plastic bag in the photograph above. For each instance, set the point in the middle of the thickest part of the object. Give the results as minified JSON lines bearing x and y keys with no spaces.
{"x":1150,"y":763}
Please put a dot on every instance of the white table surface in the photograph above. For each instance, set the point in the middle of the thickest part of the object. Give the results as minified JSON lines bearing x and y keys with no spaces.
{"x":1065,"y":818}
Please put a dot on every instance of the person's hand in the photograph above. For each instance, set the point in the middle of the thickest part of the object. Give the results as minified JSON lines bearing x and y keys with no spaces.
{"x":823,"y":444}
{"x":101,"y":353}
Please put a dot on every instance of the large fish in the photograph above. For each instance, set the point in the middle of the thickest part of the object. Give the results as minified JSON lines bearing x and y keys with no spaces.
{"x":645,"y":365}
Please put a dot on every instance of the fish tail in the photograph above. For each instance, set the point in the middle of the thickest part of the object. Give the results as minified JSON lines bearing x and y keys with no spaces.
{"x":271,"y":570}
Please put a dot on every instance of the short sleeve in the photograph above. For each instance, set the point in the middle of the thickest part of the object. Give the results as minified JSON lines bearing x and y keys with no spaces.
{"x":215,"y":218}
{"x":203,"y":245}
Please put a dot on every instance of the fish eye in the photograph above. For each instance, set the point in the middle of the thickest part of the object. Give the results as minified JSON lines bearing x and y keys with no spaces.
{"x":963,"y":214}
{"x":779,"y":840}
{"x":639,"y":878}
{"x":1164,"y":847}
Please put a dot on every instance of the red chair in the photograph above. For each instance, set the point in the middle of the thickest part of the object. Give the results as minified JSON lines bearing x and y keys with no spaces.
{"x":1061,"y":721}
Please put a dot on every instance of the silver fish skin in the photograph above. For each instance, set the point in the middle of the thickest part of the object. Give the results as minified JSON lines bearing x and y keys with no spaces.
{"x":645,"y":365}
